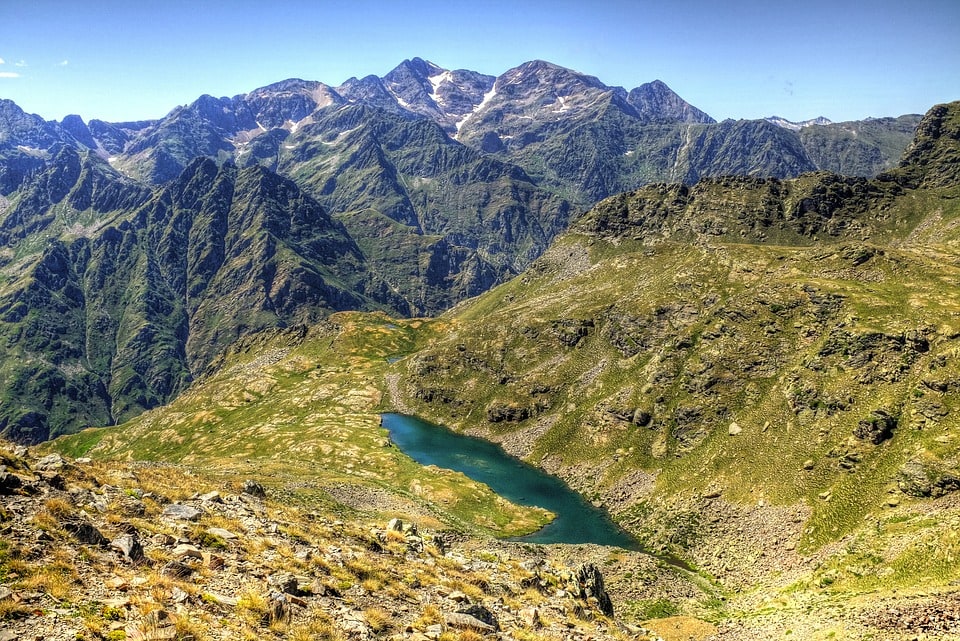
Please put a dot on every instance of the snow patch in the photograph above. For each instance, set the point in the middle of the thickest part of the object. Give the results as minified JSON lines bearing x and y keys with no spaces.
{"x":340,"y":136}
{"x":563,"y":105}
{"x":262,"y":128}
{"x":439,"y":79}
{"x":487,"y":97}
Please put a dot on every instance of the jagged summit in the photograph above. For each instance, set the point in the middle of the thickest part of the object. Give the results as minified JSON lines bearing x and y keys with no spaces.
{"x":797,"y":126}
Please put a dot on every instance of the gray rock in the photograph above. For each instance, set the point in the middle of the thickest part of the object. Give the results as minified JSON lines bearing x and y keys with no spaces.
{"x":876,"y":428}
{"x":9,"y":483}
{"x":252,"y":488}
{"x":285,"y":582}
{"x":85,"y":532}
{"x":463,"y":621}
{"x":50,"y":463}
{"x":226,"y":535}
{"x":133,"y":507}
{"x":177,"y":570}
{"x":482,"y":614}
{"x":181,"y":512}
{"x":129,"y":546}
{"x":53,"y":479}
{"x":185,"y":550}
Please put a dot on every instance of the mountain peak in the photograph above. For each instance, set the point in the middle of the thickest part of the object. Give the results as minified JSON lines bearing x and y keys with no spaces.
{"x":542,"y":72}
{"x":424,"y":67}
{"x":656,"y":101}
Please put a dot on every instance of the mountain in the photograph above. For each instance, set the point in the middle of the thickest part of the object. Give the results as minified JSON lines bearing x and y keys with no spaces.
{"x":130,"y":249}
{"x":756,"y":375}
{"x":115,"y":297}
{"x":535,"y":145}
{"x":859,"y":148}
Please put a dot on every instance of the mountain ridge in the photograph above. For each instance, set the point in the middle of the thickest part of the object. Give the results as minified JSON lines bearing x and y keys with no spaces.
{"x":422,"y":220}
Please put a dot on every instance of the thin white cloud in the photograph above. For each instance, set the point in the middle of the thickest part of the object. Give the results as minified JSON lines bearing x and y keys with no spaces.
{"x":63,"y":63}
{"x":2,"y":61}
{"x":9,"y":74}
{"x":20,"y":63}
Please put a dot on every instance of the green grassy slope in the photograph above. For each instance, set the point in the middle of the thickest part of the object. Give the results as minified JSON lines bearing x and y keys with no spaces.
{"x":298,"y":409}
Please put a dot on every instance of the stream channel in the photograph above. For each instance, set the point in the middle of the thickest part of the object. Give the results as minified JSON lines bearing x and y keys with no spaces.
{"x":577,"y":521}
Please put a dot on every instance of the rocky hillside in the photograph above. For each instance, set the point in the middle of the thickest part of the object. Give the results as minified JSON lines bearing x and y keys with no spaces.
{"x":93,"y":551}
{"x":752,"y":373}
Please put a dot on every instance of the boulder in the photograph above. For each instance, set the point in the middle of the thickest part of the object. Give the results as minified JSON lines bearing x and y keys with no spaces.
{"x":252,"y":488}
{"x":482,"y":614}
{"x":219,"y":532}
{"x":176,"y":570}
{"x":50,"y":463}
{"x":285,"y":583}
{"x":181,"y":512}
{"x":876,"y":428}
{"x":129,"y":546}
{"x":9,"y":483}
{"x":85,"y":532}
{"x":463,"y":621}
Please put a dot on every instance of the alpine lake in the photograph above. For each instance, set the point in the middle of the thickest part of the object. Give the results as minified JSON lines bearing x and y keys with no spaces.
{"x":576,"y":521}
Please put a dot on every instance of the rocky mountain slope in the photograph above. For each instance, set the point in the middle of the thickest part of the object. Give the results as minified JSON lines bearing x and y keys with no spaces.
{"x":753,"y":374}
{"x":115,"y":297}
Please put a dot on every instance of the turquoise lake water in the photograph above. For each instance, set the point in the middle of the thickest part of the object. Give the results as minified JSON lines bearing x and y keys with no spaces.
{"x":577,"y":520}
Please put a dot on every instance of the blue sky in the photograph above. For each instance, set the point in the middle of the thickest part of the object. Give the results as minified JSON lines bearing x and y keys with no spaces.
{"x":137,"y":59}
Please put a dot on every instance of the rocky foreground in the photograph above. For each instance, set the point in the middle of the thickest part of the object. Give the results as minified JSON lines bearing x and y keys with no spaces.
{"x":150,"y":552}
